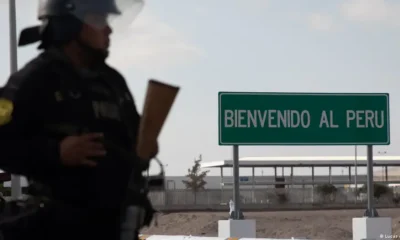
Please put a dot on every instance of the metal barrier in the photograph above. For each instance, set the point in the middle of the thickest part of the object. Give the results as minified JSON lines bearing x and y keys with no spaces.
{"x":295,"y":196}
{"x":249,"y":196}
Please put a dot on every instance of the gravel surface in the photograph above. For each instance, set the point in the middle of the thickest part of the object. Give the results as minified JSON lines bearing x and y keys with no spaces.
{"x":326,"y":224}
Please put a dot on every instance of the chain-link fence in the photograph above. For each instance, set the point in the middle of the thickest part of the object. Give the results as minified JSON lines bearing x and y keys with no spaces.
{"x":270,"y":196}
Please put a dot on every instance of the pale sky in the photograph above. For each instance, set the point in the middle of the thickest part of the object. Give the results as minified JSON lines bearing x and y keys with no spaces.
{"x":209,"y":46}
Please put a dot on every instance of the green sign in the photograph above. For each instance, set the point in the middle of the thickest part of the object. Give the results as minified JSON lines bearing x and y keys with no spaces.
{"x":303,"y":118}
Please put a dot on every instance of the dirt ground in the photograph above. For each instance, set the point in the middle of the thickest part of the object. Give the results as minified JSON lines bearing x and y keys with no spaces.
{"x":330,"y":225}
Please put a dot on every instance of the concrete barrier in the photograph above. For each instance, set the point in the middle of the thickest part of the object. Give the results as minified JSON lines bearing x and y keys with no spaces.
{"x":372,"y":228}
{"x":245,"y":228}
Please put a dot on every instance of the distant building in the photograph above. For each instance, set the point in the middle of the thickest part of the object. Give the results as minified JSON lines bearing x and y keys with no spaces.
{"x":214,"y":182}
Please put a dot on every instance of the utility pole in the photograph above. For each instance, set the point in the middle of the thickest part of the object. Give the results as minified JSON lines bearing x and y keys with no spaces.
{"x":16,"y":189}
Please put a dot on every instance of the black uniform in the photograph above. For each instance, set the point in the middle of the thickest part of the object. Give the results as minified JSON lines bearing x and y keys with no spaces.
{"x":52,"y":98}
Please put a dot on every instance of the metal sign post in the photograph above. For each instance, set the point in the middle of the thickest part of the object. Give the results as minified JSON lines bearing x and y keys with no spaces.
{"x":370,"y":182}
{"x":16,"y":190}
{"x":236,"y":193}
{"x":355,"y":174}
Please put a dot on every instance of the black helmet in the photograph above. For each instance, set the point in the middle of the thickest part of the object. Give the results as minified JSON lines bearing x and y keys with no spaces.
{"x":64,"y":18}
{"x":56,"y":8}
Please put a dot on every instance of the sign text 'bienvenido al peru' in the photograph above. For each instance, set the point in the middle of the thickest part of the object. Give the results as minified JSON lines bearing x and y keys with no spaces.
{"x":303,"y":118}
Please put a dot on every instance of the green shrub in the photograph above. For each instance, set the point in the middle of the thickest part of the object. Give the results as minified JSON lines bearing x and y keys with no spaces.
{"x":379,"y":190}
{"x":326,"y":191}
{"x":282,"y":198}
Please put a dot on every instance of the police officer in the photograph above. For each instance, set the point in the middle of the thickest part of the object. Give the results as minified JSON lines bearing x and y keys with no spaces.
{"x":56,"y":114}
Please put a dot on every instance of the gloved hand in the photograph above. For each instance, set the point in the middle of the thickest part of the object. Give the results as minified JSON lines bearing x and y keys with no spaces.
{"x":77,"y":150}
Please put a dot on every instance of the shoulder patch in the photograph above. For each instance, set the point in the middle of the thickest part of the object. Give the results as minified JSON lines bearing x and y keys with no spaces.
{"x":6,"y":110}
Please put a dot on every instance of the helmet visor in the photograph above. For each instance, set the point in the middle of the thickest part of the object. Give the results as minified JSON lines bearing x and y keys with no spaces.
{"x":100,"y":16}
